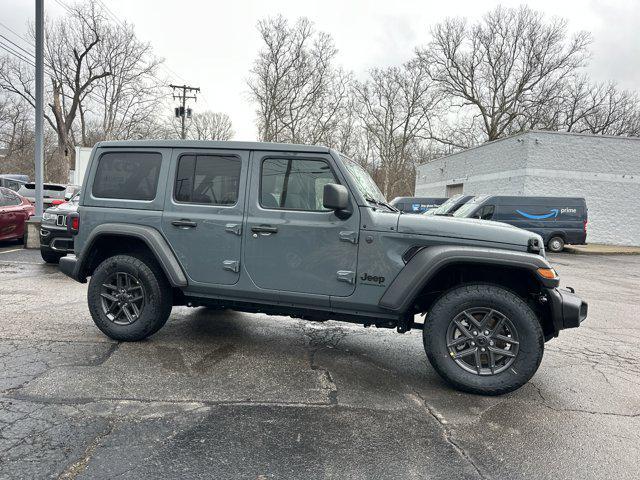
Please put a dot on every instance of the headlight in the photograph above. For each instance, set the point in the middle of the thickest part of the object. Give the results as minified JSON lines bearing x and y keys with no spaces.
{"x":48,"y":216}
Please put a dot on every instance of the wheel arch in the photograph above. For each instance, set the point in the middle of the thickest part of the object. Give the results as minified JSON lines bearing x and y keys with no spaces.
{"x":557,"y":233}
{"x":114,"y":238}
{"x":435,"y":270}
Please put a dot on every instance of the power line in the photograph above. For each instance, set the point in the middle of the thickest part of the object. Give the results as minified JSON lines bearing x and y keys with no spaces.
{"x":30,"y":62}
{"x":110,"y":13}
{"x":15,"y":54}
{"x":17,"y":46}
{"x":21,"y":37}
{"x":166,"y":68}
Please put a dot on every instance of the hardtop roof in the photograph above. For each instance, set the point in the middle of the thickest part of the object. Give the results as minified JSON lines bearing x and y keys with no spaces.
{"x":229,"y":145}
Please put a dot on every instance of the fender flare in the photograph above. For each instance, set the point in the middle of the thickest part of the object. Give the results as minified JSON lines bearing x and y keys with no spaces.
{"x":425,"y":264}
{"x":150,"y":236}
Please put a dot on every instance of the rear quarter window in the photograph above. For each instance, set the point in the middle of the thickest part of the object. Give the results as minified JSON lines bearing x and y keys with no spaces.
{"x":127,"y":175}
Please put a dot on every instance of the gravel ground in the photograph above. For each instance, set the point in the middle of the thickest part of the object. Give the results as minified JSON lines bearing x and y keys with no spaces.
{"x":233,"y":395}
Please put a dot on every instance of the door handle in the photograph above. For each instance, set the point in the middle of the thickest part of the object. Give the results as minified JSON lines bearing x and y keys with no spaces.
{"x":264,"y":229}
{"x":184,"y":223}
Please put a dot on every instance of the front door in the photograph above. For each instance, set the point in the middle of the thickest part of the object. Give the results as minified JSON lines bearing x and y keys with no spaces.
{"x":292,"y":243}
{"x":203,"y":213}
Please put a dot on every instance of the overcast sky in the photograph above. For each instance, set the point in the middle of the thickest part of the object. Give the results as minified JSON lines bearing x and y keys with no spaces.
{"x":212,"y":44}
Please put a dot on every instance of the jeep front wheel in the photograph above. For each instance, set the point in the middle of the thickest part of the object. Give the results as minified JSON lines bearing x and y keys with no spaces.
{"x":483,"y":339}
{"x":129,"y":298}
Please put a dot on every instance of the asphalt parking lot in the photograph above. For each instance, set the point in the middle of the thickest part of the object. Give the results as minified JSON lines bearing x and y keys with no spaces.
{"x":233,"y":395}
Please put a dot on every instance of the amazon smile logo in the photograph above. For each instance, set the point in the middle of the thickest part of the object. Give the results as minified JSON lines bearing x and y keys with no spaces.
{"x":553,"y":213}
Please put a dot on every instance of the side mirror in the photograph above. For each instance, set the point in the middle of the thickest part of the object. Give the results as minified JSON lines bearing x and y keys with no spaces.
{"x":335,"y":197}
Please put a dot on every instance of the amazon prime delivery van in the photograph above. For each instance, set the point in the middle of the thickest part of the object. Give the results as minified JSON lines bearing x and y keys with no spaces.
{"x":559,"y":220}
{"x":449,"y":207}
{"x":417,"y":204}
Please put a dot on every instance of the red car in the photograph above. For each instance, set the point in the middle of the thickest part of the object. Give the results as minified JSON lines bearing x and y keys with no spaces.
{"x":14,"y":211}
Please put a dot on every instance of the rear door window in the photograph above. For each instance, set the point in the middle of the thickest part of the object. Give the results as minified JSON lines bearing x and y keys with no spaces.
{"x":127,"y":175}
{"x":208,"y":179}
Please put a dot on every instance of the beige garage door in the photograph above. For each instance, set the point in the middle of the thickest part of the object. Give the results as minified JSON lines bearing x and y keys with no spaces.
{"x":454,"y":189}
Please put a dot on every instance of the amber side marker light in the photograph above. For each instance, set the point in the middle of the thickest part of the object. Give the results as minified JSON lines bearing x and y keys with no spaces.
{"x":549,"y":273}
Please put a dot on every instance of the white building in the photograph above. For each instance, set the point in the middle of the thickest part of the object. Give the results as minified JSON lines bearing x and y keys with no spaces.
{"x":605,"y":170}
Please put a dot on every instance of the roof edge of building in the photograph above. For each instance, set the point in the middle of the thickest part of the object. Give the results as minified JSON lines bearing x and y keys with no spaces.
{"x":536,"y":132}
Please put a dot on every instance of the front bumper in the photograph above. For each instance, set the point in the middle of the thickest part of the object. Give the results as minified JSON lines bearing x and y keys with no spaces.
{"x":70,"y":266}
{"x":56,"y":239}
{"x":567,"y":309}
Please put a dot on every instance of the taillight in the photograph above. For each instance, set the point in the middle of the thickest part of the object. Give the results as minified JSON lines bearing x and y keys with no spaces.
{"x":585,"y":226}
{"x":73,"y":223}
{"x":57,"y":202}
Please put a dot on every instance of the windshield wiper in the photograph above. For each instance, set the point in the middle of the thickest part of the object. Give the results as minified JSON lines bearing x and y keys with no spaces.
{"x":383,"y":204}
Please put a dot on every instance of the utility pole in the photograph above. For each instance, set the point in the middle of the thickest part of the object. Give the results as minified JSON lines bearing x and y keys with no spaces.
{"x":182,"y":111}
{"x":39,"y":118}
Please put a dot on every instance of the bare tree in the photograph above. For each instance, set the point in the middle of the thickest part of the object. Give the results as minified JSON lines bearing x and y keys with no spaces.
{"x":16,"y":136}
{"x":72,"y":65}
{"x":210,"y":125}
{"x":101,"y":83}
{"x":297,"y":90}
{"x":397,"y":108}
{"x":121,"y":105}
{"x":504,"y":66}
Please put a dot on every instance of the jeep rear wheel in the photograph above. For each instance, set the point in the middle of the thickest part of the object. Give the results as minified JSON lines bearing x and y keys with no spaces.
{"x":483,"y":339}
{"x":129,"y":298}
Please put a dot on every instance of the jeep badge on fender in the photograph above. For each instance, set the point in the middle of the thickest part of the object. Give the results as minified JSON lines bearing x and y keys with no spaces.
{"x":366,"y":278}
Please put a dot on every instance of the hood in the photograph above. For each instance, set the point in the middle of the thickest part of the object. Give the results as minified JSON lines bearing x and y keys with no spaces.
{"x":68,"y":207}
{"x":464,"y":228}
{"x":63,"y":208}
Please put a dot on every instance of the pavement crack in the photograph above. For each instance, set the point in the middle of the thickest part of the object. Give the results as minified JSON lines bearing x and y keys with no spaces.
{"x":333,"y":388}
{"x":447,"y":434}
{"x":544,"y":403}
{"x":106,"y":355}
{"x":78,"y":467}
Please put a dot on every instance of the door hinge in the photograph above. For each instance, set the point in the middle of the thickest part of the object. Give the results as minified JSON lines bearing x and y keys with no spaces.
{"x":231,"y":265}
{"x":349,"y":236}
{"x":346,"y":276}
{"x":235,"y":228}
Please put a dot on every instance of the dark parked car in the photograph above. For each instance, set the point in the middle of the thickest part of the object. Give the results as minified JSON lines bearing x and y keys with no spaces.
{"x":417,"y":204}
{"x":558,"y":220}
{"x":449,"y":207}
{"x":304,"y":231}
{"x":15,"y":210}
{"x":55,"y":240}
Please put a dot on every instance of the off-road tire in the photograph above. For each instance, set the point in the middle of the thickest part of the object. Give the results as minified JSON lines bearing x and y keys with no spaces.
{"x":50,"y":256}
{"x":525,"y":321}
{"x":157,"y":297}
{"x":555,"y":244}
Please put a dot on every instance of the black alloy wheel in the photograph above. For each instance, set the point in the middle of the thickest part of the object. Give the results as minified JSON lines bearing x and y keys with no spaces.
{"x":123,"y":298}
{"x":482,"y":341}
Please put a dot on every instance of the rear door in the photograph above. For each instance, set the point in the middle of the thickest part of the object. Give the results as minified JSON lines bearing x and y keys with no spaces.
{"x":203,"y":213}
{"x":292,"y":243}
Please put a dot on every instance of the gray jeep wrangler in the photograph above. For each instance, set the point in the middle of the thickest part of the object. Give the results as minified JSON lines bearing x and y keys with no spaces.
{"x":304,"y":231}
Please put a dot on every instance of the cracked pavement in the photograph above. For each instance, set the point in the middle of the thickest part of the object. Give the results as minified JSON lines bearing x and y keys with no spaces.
{"x":234,"y":395}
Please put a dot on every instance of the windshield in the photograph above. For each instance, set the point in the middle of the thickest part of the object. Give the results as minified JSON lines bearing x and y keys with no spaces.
{"x":445,"y":207}
{"x":466,"y":209}
{"x":363,"y":182}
